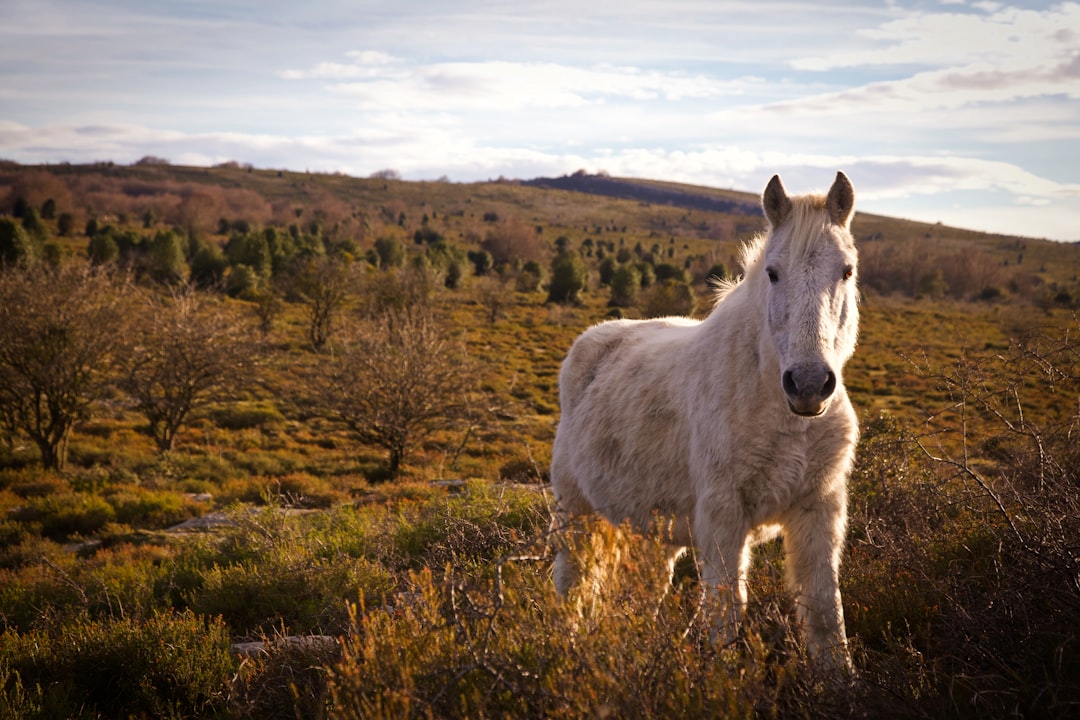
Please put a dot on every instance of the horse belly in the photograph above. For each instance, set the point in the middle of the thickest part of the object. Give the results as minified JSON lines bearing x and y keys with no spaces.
{"x":629,"y":452}
{"x":641,"y":485}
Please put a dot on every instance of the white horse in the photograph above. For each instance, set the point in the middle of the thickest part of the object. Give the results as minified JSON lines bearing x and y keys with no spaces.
{"x":736,"y":427}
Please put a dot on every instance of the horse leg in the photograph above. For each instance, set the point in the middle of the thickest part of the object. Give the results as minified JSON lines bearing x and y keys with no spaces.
{"x":813,"y":540}
{"x":672,"y":557}
{"x":725,"y":560}
{"x":570,"y":556}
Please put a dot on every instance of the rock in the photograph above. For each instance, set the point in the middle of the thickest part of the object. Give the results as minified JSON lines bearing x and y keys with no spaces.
{"x":298,"y":642}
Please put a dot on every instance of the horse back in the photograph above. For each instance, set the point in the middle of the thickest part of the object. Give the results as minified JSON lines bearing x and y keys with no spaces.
{"x":607,"y":349}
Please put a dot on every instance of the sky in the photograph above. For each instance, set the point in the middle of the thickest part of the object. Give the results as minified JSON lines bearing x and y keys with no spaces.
{"x":955,"y":111}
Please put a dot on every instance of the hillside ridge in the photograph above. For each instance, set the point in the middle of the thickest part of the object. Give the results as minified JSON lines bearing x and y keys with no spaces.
{"x":656,"y":192}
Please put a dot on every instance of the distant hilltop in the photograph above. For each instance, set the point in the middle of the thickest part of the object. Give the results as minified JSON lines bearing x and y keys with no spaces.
{"x":651,"y":191}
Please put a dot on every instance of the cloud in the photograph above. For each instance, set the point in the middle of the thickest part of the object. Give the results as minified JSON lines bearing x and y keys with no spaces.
{"x":1009,"y":37}
{"x":1006,"y":55}
{"x":378,"y":80}
{"x":920,"y":101}
{"x":365,"y":64}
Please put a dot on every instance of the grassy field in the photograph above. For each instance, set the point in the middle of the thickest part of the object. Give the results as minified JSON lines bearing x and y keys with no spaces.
{"x":427,"y":592}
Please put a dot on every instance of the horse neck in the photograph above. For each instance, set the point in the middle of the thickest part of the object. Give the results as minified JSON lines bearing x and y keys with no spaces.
{"x":736,"y":328}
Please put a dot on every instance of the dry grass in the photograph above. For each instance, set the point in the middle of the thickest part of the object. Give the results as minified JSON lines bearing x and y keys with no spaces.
{"x":959,"y":577}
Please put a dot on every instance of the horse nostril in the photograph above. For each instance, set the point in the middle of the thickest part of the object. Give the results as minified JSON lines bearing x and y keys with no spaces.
{"x":830,"y":385}
{"x":788,"y":383}
{"x":807,"y":381}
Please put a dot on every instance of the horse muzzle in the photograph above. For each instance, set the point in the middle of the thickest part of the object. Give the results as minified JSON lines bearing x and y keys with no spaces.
{"x":809,"y":387}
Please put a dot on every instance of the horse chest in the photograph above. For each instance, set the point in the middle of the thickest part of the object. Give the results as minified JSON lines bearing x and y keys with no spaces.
{"x":773,"y":476}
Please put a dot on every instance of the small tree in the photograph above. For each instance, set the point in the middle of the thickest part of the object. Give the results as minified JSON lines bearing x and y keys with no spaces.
{"x":482,"y":261}
{"x":625,"y":285}
{"x":102,"y":248}
{"x":187,"y":350}
{"x":669,"y":297}
{"x":34,"y":225}
{"x":165,"y":260}
{"x":494,"y":294}
{"x":400,"y":290}
{"x":529,"y":278}
{"x":390,"y":251}
{"x":65,"y":224}
{"x":323,"y":284}
{"x":397,"y":380}
{"x":59,"y":329}
{"x":16,"y":245}
{"x":568,"y":277}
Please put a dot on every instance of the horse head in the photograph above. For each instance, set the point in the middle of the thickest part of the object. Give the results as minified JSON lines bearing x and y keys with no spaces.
{"x":812,"y":317}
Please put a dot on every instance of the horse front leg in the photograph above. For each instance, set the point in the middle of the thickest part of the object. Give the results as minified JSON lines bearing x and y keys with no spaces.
{"x":813,"y":542}
{"x":725,"y":561}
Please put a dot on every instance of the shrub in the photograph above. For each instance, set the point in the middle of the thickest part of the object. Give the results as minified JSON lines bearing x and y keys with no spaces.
{"x":152,"y":508}
{"x":506,"y":646}
{"x":246,"y":415}
{"x":669,"y":297}
{"x":172,"y":665}
{"x":530,"y":277}
{"x":568,"y":278}
{"x":293,"y":490}
{"x":61,"y":516}
{"x":16,"y":245}
{"x":625,"y":285}
{"x":284,"y":572}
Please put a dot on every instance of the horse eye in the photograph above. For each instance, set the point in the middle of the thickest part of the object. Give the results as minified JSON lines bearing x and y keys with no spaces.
{"x":773,"y":277}
{"x":848,"y":272}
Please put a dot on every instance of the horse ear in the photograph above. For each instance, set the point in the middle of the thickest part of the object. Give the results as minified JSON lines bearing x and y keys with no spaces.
{"x":775,"y":202}
{"x":841,"y":200}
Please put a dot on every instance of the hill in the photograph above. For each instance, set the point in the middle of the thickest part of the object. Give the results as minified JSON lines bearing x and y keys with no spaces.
{"x":407,"y":573}
{"x":684,"y":196}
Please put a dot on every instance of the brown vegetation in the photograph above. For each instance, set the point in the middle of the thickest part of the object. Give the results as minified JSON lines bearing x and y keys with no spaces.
{"x":959,"y":574}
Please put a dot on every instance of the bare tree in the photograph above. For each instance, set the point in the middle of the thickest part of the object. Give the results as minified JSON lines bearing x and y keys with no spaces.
{"x":324,"y":284}
{"x":495,"y":295}
{"x":513,"y":240}
{"x":188,"y":350}
{"x":398,"y":379}
{"x":59,"y":329}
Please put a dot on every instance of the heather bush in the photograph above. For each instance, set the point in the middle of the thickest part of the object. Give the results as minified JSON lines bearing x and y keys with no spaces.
{"x":170,"y":665}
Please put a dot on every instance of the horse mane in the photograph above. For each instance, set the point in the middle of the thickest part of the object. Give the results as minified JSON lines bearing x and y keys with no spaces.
{"x":807,"y":219}
{"x":808,"y":216}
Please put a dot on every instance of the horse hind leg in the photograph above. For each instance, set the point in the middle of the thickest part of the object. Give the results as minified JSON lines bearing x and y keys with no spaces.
{"x":673,"y":555}
{"x":570,"y":526}
{"x":570,"y":553}
{"x":589,"y":552}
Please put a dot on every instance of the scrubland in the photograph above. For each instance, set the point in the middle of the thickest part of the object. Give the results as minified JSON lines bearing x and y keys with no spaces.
{"x":394,"y":557}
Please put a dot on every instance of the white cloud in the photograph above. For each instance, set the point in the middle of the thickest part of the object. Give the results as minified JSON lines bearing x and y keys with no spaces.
{"x":377,"y":80}
{"x":1009,"y":38}
{"x":917,"y":101}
